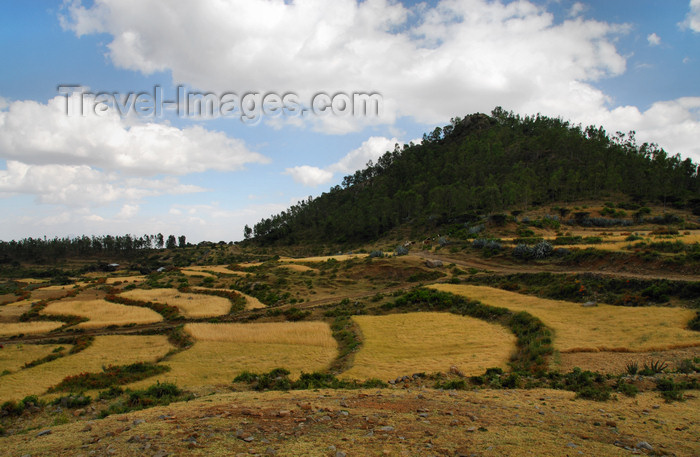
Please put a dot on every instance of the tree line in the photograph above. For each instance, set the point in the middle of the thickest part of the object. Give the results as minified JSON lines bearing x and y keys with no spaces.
{"x":482,"y":164}
{"x":40,"y":249}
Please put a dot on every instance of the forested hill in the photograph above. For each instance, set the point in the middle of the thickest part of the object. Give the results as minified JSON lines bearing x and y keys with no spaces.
{"x":481,"y":164}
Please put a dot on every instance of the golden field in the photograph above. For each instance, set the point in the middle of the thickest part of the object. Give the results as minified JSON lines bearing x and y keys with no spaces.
{"x":126,"y":279}
{"x":11,"y":312}
{"x":102,"y":313}
{"x":14,"y":356}
{"x":403,"y":344}
{"x":105,"y":350}
{"x":250,"y":302}
{"x":223,"y":351}
{"x":221,"y":269}
{"x":599,"y":328}
{"x":324,"y":258}
{"x":28,"y":328}
{"x":190,"y":305}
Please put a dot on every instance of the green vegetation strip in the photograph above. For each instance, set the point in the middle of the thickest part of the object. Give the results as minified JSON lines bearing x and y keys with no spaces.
{"x":168,"y":312}
{"x":110,"y":375}
{"x":589,"y":286}
{"x":534,"y":340}
{"x":278,"y":379}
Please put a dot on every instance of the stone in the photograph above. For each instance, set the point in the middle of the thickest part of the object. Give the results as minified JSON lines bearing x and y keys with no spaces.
{"x":44,"y":433}
{"x":386,"y":428}
{"x":589,"y":304}
{"x":645,"y":445}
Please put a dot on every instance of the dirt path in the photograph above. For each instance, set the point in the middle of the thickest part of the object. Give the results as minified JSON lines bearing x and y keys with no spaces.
{"x":495,"y":266}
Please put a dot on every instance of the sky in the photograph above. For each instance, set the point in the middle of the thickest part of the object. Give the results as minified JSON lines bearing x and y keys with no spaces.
{"x":197,"y":118}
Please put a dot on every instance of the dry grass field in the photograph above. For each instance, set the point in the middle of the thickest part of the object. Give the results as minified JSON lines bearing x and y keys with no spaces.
{"x":220,"y":269}
{"x":105,"y":350}
{"x":250,"y":302}
{"x":222,"y":351}
{"x":50,"y":292}
{"x":102,"y":313}
{"x":28,"y":328}
{"x":190,"y":272}
{"x":14,"y":356}
{"x":590,"y":329}
{"x":403,"y":344}
{"x":126,"y":279}
{"x":339,"y":258}
{"x":297,"y":267}
{"x":12,"y":311}
{"x":512,"y":423}
{"x":190,"y":305}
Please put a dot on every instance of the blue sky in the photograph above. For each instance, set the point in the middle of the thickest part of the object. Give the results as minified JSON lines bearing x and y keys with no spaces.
{"x":626,"y":65}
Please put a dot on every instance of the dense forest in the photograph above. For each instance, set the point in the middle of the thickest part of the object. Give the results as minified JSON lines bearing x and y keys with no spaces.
{"x":483,"y":164}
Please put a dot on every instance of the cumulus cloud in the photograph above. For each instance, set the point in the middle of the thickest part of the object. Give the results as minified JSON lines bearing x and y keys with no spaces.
{"x":81,"y":185}
{"x":456,"y":56}
{"x":369,"y":150}
{"x":654,"y":39}
{"x":309,"y":176}
{"x":692,"y":19}
{"x":37,"y":133}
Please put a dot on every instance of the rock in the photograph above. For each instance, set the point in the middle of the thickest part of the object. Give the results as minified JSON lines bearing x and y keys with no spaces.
{"x":161,"y":453}
{"x":283,"y":413}
{"x":270,"y":451}
{"x":456,"y":371}
{"x":645,"y":445}
{"x":325,"y":419}
{"x":471,"y":429}
{"x":433,"y":263}
{"x":138,"y":421}
{"x":611,"y":423}
{"x":87,"y":428}
{"x":340,"y":454}
{"x":44,"y":432}
{"x":589,"y":304}
{"x":386,"y":428}
{"x":571,"y":445}
{"x":331,"y":448}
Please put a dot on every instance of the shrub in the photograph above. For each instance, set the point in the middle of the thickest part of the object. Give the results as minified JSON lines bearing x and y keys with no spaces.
{"x":542,"y":250}
{"x":522,"y":251}
{"x":632,"y":368}
{"x":375,"y":254}
{"x":627,"y":389}
{"x":401,"y":250}
{"x":455,"y":384}
{"x":72,"y":401}
{"x":653,"y":367}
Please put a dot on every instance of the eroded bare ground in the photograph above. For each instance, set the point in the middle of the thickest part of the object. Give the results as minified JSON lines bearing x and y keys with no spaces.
{"x":398,"y":421}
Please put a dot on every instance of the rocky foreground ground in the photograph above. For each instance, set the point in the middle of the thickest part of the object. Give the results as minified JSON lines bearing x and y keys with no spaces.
{"x":396,"y":421}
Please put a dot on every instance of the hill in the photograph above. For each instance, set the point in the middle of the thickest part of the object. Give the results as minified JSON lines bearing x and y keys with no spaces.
{"x":483,"y":164}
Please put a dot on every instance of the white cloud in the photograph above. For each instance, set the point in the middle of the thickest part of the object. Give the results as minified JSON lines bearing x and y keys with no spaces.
{"x":671,"y":124}
{"x":128,"y":211}
{"x":371,"y":149}
{"x":309,"y":176}
{"x":36,"y":133}
{"x":692,"y":19}
{"x":654,"y":39}
{"x":576,"y":9}
{"x":357,"y":159}
{"x":460,"y":56}
{"x":81,"y":185}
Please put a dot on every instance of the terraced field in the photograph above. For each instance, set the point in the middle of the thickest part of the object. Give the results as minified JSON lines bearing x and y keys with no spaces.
{"x":102,"y":313}
{"x":403,"y":344}
{"x":222,"y":351}
{"x":593,"y":329}
{"x":105,"y":350}
{"x":190,"y":305}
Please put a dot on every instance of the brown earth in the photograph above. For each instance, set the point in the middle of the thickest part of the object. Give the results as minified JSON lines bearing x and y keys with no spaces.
{"x":388,"y":422}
